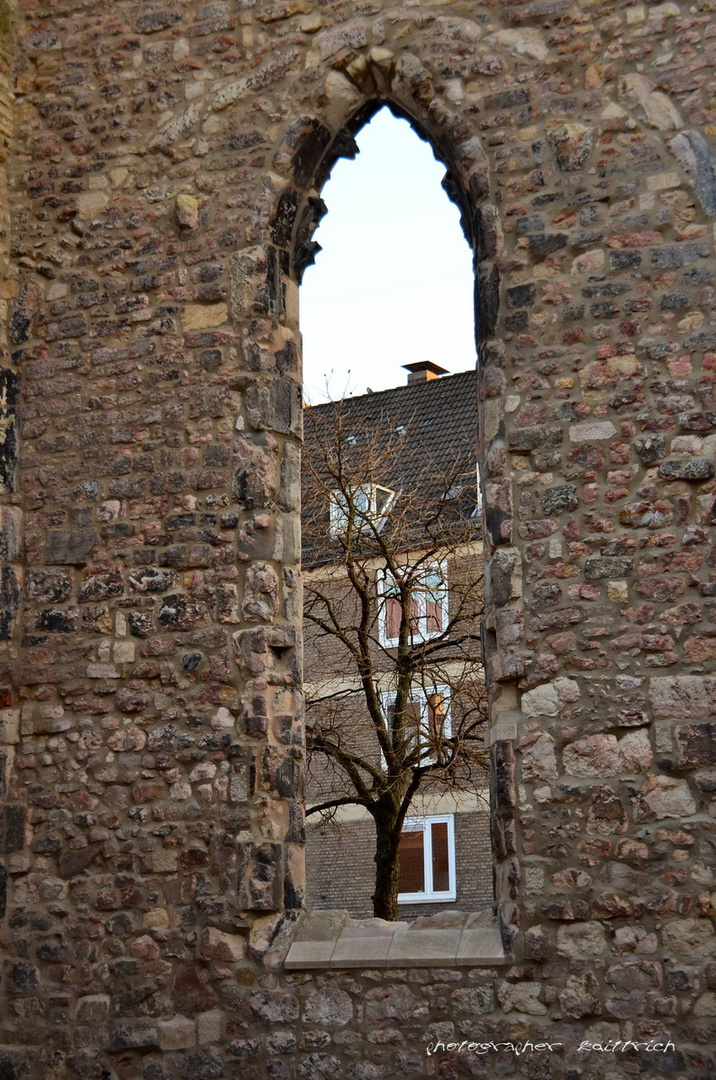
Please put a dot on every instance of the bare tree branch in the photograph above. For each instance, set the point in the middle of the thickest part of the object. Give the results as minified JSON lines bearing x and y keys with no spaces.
{"x":389,"y":731}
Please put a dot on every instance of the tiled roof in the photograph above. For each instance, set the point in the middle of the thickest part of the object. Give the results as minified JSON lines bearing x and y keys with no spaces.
{"x":431,"y":427}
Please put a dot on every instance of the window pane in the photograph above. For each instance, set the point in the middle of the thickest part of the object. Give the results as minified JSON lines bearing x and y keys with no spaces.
{"x":441,"y":862}
{"x":382,"y":498}
{"x":436,"y":718}
{"x":415,"y":614}
{"x":360,"y":501}
{"x":412,"y":864}
{"x":390,"y":587}
{"x":413,"y":725}
{"x":413,"y":715}
{"x":393,"y":610}
{"x":433,"y":581}
{"x":433,"y":616}
{"x":434,"y":601}
{"x":339,"y":513}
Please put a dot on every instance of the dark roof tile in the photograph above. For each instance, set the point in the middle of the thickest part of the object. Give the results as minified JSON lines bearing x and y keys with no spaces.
{"x":432,"y":428}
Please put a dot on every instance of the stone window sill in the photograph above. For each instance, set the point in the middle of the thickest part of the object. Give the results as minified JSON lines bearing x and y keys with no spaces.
{"x":331,"y":940}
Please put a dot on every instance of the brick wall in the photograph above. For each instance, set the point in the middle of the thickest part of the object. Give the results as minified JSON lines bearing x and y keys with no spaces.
{"x":340,"y":870}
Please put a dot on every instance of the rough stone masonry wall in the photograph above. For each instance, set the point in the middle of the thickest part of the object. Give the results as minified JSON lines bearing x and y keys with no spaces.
{"x":10,"y":513}
{"x":165,"y":182}
{"x":10,"y":527}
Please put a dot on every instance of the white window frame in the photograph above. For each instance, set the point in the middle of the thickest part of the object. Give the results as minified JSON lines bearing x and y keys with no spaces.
{"x":421,"y":632}
{"x":420,"y":696}
{"x":430,"y":895}
{"x":364,"y":518}
{"x":477,"y":512}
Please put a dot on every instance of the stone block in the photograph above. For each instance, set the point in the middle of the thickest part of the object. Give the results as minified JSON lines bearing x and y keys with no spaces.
{"x":93,"y":1008}
{"x":10,"y":531}
{"x":503,"y":774}
{"x":581,"y":940}
{"x":689,"y":937}
{"x":321,"y":926}
{"x":74,"y":862}
{"x":626,"y":1008}
{"x":309,"y":954}
{"x":260,"y":877}
{"x":424,"y":948}
{"x":705,"y":1005}
{"x":361,"y":952}
{"x":201,"y":316}
{"x":209,"y":1027}
{"x":9,"y":726}
{"x":683,"y":697}
{"x":205,"y":1065}
{"x":560,"y":499}
{"x":539,"y":760}
{"x":22,"y":978}
{"x":591,"y":431}
{"x":179,"y":1033}
{"x":134,"y":1036}
{"x":329,"y":1008}
{"x":571,"y":144}
{"x":694,"y":468}
{"x":393,"y":1002}
{"x":607,"y":567}
{"x":276,"y":407}
{"x":693,"y":152}
{"x":163,"y":861}
{"x":592,"y":756}
{"x":70,"y":548}
{"x":542,"y":701}
{"x":696,"y":743}
{"x":480,"y":945}
{"x":256,"y":471}
{"x":192,"y":993}
{"x":12,"y":827}
{"x":219,"y":945}
{"x":156,"y":20}
{"x":473,"y":1001}
{"x":580,"y":996}
{"x":521,"y":997}
{"x":9,"y":602}
{"x":668,"y":797}
{"x":273,"y":1007}
{"x":260,"y":593}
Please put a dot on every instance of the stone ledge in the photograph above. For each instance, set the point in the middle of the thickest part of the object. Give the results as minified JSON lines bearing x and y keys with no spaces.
{"x":332,"y":940}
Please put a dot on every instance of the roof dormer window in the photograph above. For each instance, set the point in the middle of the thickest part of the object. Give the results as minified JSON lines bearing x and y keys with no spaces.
{"x":363,"y":509}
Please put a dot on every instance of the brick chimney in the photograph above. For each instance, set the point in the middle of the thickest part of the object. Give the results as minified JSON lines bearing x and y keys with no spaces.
{"x":423,"y":371}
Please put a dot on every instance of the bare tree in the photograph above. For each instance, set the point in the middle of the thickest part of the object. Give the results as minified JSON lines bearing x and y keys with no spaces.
{"x":393,"y":599}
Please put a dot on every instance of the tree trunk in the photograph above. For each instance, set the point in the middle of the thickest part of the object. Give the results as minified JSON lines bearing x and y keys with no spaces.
{"x":387,"y":868}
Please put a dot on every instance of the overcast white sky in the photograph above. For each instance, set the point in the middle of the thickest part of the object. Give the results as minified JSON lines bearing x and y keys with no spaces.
{"x":394,"y":283}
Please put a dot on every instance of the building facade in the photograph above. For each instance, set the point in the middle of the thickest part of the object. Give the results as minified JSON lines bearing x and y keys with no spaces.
{"x":418,"y":443}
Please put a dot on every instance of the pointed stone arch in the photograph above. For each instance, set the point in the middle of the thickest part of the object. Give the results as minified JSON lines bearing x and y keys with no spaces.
{"x":267,"y":274}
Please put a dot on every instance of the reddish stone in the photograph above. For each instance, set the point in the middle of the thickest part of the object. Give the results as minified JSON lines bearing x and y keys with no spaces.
{"x":192,"y":993}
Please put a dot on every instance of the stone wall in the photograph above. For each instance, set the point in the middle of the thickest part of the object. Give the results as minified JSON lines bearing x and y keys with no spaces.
{"x":10,"y":512}
{"x":165,"y":182}
{"x":6,"y":36}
